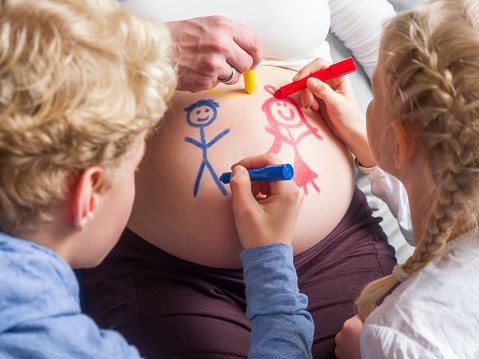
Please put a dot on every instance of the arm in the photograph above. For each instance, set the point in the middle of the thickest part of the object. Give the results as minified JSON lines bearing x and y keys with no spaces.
{"x":383,"y":342}
{"x":343,"y":116}
{"x":217,"y":138}
{"x":67,"y":336}
{"x":338,"y":108}
{"x":281,"y":328}
{"x":359,"y":25}
{"x":193,"y":141}
{"x":347,"y":340}
{"x":265,"y":217}
{"x":390,"y":190}
{"x":207,"y":48}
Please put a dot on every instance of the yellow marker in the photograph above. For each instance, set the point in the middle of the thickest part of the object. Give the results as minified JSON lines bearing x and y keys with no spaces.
{"x":249,"y":83}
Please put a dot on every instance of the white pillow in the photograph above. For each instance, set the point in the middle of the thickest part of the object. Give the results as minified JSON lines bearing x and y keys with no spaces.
{"x":404,"y":4}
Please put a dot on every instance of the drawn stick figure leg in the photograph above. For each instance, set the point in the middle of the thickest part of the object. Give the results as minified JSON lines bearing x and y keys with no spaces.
{"x":198,"y":179}
{"x":315,"y":186}
{"x":305,"y":190}
{"x":215,"y":177}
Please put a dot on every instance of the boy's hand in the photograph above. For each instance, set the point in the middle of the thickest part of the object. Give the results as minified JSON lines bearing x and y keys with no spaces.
{"x":265,"y":212}
{"x":347,"y":340}
{"x":335,"y":100}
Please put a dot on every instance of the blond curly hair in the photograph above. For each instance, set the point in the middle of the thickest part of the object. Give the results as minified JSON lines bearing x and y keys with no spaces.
{"x":81,"y":81}
{"x":432,"y":55}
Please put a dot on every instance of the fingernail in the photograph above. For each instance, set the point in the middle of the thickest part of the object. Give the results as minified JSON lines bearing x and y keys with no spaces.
{"x":237,"y":170}
{"x":295,"y":77}
{"x":313,"y":82}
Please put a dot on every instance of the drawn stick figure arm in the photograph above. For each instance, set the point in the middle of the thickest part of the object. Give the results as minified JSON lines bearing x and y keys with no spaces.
{"x":217,"y":138}
{"x":270,"y":130}
{"x":313,"y":131}
{"x":278,"y":135}
{"x":276,"y":146}
{"x":193,"y":141}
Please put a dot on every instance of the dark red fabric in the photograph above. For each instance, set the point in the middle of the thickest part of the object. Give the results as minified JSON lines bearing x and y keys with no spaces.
{"x":170,"y":308}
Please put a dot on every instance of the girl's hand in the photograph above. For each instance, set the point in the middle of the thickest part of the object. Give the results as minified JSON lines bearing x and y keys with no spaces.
{"x":335,"y":100}
{"x":265,"y":212}
{"x":347,"y":340}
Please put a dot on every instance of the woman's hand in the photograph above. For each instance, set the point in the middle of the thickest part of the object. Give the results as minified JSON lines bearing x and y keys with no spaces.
{"x":265,"y":212}
{"x":207,"y":48}
{"x":336,"y":102}
{"x":347,"y":340}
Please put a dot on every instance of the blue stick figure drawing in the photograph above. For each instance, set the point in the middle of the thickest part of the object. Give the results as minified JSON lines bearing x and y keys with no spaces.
{"x":202,"y":114}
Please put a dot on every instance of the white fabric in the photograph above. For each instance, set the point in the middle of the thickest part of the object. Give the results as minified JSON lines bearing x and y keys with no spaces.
{"x":389,"y":189}
{"x":293,"y":34}
{"x":399,"y":272}
{"x":434,"y":313}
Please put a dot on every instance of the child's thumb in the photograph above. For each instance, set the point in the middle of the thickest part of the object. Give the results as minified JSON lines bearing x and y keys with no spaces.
{"x":240,"y":185}
{"x":321,"y":90}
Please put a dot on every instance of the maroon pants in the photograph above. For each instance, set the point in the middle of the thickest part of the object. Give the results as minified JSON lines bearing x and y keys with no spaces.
{"x":170,"y":308}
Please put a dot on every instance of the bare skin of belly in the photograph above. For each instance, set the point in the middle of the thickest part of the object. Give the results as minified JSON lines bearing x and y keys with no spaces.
{"x":182,"y":208}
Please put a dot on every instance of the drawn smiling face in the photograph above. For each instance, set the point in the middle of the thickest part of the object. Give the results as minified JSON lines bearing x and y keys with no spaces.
{"x":201,"y":116}
{"x":285,"y":113}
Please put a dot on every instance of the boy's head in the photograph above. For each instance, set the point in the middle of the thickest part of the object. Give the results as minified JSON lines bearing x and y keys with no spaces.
{"x":81,"y":82}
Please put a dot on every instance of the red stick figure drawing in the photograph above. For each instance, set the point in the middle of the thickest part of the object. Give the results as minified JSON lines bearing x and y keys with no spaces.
{"x":286,"y":120}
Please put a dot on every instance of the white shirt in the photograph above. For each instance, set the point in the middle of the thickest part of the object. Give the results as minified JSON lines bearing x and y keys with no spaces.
{"x":389,"y":189}
{"x":432,"y":314}
{"x":293,"y":33}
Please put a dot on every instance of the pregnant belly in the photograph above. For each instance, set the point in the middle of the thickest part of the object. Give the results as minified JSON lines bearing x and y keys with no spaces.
{"x":182,"y":207}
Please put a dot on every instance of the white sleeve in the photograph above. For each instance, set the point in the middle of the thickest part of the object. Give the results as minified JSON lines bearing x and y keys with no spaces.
{"x":390,"y":190}
{"x":378,"y":342}
{"x":358,"y":24}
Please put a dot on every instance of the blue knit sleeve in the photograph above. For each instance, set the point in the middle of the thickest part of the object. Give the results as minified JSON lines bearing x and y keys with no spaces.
{"x":281,"y":328}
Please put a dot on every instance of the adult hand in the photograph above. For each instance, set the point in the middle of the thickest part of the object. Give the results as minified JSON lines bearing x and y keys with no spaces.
{"x":208,"y":47}
{"x":347,"y":340}
{"x":336,"y":102}
{"x":265,"y":212}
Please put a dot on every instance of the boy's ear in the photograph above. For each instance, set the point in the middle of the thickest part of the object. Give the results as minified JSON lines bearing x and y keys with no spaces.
{"x":405,"y":146}
{"x":86,"y":196}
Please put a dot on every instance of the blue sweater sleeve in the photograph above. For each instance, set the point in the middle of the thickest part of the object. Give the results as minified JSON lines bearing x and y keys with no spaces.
{"x":281,"y":328}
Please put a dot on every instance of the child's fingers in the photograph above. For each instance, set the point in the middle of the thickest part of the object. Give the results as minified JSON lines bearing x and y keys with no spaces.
{"x":260,"y":161}
{"x":314,"y":66}
{"x":240,"y":184}
{"x":306,"y":98}
{"x":288,"y":189}
{"x":323,"y":91}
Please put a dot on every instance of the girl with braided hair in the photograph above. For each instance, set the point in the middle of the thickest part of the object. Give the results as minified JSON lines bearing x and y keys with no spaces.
{"x":423,"y":130}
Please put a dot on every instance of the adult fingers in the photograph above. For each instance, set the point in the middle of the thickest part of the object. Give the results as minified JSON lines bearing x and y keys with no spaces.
{"x":244,"y":52}
{"x":249,"y":42}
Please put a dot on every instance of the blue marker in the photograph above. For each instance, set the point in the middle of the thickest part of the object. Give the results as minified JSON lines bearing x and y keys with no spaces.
{"x":270,"y":173}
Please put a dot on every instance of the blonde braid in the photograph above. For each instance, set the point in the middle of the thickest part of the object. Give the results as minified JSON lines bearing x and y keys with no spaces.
{"x":437,"y":76}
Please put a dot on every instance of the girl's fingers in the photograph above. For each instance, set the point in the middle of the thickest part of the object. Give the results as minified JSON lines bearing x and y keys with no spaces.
{"x":314,"y":66}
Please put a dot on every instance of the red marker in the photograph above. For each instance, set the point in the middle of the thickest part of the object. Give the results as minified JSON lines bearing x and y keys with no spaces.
{"x":335,"y":70}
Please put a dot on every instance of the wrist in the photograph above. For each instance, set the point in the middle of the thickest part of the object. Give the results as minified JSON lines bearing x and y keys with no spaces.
{"x":364,"y":169}
{"x":357,"y":142}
